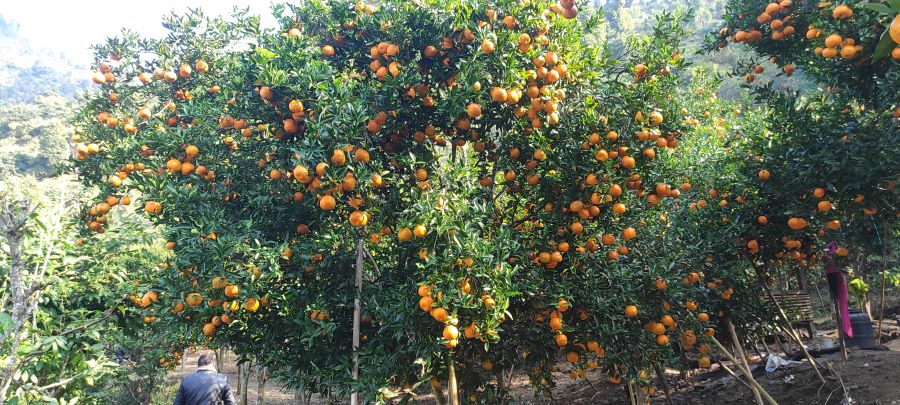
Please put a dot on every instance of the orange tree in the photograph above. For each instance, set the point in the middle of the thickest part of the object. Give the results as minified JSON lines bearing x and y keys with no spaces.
{"x":705,"y":228}
{"x":495,"y":171}
{"x":827,"y":165}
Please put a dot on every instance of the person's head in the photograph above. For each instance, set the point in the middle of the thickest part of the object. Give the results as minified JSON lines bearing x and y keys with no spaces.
{"x":204,"y":360}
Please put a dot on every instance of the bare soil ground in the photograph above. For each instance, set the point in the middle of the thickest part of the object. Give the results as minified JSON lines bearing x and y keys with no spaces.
{"x":867,"y":377}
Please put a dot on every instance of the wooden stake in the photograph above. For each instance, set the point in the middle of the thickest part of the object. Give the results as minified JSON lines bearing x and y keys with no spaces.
{"x":451,"y":380}
{"x":840,"y":328}
{"x":739,"y":349}
{"x":631,"y":395}
{"x":746,"y":372}
{"x":357,"y":315}
{"x":886,"y":233}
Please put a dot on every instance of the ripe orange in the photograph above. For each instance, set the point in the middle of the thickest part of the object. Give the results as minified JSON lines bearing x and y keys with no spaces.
{"x":425,"y":303}
{"x":232,"y":290}
{"x":173,"y":165}
{"x":266,"y":92}
{"x":691,"y":305}
{"x":842,"y":12}
{"x":796,"y":223}
{"x":894,"y":31}
{"x":556,"y":323}
{"x":833,"y":40}
{"x":251,"y":304}
{"x":338,"y":157}
{"x":194,"y":299}
{"x":561,"y":340}
{"x":420,"y":231}
{"x":661,"y":284}
{"x":359,"y":218}
{"x":703,"y":362}
{"x":439,"y":314}
{"x":824,"y":206}
{"x":764,"y":174}
{"x":656,"y":118}
{"x":473,"y":110}
{"x":498,"y":94}
{"x":450,"y":332}
{"x":404,"y":235}
{"x":487,"y":46}
{"x":327,"y":203}
{"x":152,"y":208}
{"x":631,"y":311}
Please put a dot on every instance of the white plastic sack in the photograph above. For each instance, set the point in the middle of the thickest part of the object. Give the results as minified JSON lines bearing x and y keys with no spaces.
{"x":774,"y":362}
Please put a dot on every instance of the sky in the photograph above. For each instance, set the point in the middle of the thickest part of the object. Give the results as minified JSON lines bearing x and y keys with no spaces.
{"x":72,"y":26}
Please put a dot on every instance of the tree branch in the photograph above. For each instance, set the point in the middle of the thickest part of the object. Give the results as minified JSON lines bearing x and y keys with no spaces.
{"x":62,"y":382}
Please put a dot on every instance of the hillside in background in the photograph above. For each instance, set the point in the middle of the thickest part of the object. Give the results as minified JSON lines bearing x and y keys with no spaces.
{"x":27,"y":72}
{"x":37,"y":96}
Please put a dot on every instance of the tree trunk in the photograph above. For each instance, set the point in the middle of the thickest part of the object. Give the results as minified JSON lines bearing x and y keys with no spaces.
{"x":243,"y":382}
{"x":261,"y":375}
{"x":239,"y":386}
{"x":14,"y":215}
{"x":220,"y":360}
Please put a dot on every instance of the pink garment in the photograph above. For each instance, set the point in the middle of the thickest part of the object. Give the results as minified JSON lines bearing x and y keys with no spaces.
{"x":838,"y":287}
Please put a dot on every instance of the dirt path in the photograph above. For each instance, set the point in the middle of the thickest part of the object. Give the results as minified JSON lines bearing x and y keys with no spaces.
{"x":274,"y":394}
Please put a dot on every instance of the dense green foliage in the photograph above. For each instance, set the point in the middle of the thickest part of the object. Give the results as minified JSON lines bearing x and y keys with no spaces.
{"x":522,"y":183}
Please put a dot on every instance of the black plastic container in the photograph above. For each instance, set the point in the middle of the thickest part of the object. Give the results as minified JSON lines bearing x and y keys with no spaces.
{"x":863,"y":336}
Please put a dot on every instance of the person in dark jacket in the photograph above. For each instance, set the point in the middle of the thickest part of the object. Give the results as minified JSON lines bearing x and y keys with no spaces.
{"x":204,"y":386}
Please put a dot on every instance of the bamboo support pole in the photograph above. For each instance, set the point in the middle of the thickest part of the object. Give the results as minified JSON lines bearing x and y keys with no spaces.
{"x":357,"y":315}
{"x":746,"y":372}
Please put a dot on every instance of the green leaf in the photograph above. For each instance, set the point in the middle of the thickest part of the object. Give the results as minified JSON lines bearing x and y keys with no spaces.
{"x":5,"y":321}
{"x":265,"y":53}
{"x":878,"y":7}
{"x":884,"y":46}
{"x":895,"y":4}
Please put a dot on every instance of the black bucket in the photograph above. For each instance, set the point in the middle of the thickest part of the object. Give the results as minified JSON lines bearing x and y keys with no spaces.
{"x":863,"y":336}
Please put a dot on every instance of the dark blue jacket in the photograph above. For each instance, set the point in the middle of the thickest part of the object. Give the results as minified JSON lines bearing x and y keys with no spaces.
{"x":204,"y":387}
